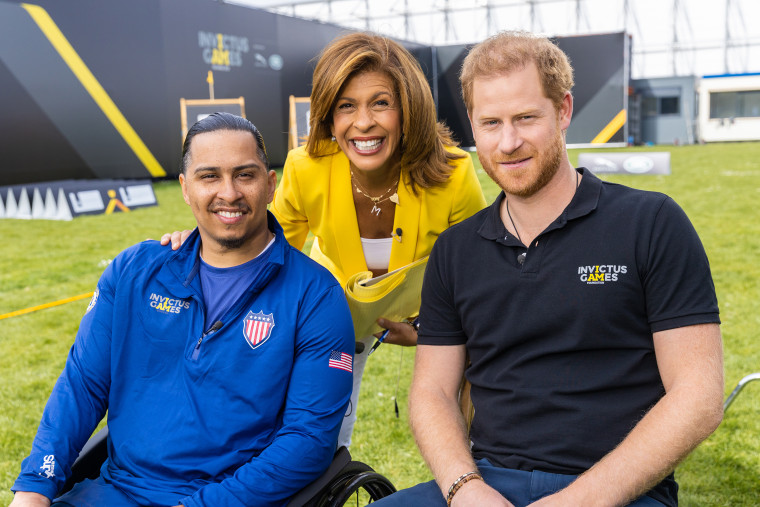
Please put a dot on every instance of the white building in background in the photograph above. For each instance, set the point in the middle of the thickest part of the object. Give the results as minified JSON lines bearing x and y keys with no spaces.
{"x":729,"y":108}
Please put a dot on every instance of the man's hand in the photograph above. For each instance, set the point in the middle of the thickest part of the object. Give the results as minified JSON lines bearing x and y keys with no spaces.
{"x":401,"y":333}
{"x":477,"y":492}
{"x":176,"y":238}
{"x":29,"y":499}
{"x":554,"y":500}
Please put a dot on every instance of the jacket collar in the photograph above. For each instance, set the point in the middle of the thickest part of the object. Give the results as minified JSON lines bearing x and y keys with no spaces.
{"x":180,"y":270}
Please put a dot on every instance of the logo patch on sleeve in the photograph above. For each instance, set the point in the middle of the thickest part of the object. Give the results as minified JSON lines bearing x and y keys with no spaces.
{"x":92,"y":301}
{"x":341,"y":361}
{"x":48,"y":466}
{"x":257,"y":328}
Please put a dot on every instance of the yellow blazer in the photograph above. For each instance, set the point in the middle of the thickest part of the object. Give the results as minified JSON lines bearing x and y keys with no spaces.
{"x":315,"y":195}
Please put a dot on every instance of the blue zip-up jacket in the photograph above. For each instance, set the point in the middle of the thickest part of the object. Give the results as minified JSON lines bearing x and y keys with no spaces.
{"x":244,"y":415}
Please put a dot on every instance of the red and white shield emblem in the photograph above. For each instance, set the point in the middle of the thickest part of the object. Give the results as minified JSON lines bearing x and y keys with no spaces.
{"x":257,"y":328}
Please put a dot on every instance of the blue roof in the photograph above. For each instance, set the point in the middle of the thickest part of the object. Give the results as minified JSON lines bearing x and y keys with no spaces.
{"x":731,"y":75}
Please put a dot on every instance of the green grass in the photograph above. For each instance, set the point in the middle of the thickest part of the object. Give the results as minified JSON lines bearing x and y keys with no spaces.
{"x":718,"y":186}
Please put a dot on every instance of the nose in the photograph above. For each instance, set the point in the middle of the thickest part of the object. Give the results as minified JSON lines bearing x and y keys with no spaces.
{"x":228,"y":190}
{"x":364,"y":118}
{"x":509,"y":139}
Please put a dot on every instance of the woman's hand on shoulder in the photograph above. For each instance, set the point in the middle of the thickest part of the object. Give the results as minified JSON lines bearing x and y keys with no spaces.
{"x":402,"y":333}
{"x":176,"y":238}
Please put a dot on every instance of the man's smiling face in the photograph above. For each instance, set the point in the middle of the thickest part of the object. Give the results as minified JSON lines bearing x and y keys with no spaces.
{"x":228,"y":187}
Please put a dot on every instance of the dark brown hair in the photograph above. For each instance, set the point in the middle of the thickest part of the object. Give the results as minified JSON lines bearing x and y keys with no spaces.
{"x":423,"y":156}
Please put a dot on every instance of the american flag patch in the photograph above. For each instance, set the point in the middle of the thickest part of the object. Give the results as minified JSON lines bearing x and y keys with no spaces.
{"x":341,"y":361}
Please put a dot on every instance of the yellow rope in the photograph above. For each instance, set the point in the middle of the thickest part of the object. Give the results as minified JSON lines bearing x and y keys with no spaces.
{"x":46,"y":305}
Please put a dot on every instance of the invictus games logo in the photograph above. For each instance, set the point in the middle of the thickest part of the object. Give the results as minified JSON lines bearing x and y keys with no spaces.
{"x":222,"y":51}
{"x":92,"y":301}
{"x":168,"y":305}
{"x":48,"y":466}
{"x":601,"y":273}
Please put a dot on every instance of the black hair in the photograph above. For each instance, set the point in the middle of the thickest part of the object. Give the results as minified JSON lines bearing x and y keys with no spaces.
{"x":222,"y":121}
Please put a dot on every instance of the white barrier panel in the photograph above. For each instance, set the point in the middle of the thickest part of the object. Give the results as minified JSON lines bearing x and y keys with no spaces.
{"x":64,"y":200}
{"x":633,"y":162}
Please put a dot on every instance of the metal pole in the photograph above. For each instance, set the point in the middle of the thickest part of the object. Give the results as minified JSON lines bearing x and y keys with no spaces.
{"x":675,"y":36}
{"x":727,"y":38}
{"x":743,"y":382}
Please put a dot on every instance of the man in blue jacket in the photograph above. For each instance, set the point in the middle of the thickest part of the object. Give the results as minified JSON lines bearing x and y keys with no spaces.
{"x":225,"y":367}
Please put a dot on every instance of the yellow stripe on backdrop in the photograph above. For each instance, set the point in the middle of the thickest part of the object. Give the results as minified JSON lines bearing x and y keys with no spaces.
{"x":609,"y":130}
{"x":93,"y":87}
{"x":46,"y":305}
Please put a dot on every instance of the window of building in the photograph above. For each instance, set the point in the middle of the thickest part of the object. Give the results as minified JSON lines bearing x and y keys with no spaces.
{"x":735,"y":104}
{"x":670,"y":105}
{"x":749,"y":104}
{"x":660,"y":106}
{"x":649,"y":106}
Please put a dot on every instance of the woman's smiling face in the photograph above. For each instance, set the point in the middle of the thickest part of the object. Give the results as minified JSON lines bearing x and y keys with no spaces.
{"x":366,"y":122}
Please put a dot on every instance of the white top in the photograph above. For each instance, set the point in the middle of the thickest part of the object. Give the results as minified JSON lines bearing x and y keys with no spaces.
{"x":377,"y":252}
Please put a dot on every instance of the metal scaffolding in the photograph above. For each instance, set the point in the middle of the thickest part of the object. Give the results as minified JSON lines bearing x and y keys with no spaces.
{"x":670,"y":37}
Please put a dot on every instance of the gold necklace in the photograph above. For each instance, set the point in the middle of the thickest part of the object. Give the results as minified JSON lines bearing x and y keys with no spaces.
{"x":376,"y":210}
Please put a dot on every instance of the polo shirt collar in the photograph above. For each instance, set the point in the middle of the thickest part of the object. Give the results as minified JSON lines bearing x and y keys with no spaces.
{"x":584,"y":201}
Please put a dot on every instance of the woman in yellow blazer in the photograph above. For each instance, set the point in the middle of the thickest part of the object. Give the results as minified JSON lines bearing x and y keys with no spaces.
{"x":379,"y":178}
{"x":315,"y":195}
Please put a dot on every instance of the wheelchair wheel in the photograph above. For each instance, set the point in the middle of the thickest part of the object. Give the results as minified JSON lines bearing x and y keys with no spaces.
{"x":357,"y":484}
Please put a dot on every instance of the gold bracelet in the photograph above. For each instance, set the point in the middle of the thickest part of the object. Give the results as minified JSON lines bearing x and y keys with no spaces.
{"x":459,"y":483}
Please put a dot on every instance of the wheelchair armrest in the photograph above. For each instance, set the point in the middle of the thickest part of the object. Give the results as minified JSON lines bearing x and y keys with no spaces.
{"x":89,"y":461}
{"x":340,"y":460}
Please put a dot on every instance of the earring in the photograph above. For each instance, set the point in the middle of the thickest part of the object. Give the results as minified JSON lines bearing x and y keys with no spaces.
{"x":332,"y":138}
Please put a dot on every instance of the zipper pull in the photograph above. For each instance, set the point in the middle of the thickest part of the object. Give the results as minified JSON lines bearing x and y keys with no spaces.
{"x":197,"y":350}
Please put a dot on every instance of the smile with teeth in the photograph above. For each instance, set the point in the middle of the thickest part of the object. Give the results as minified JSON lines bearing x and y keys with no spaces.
{"x":367,"y":145}
{"x":230,"y":214}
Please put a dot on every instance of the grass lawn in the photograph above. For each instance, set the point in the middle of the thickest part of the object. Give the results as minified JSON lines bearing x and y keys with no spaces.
{"x":717,"y":185}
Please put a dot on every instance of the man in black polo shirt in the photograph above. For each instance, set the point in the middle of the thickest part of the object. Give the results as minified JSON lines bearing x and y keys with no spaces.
{"x":587,"y":310}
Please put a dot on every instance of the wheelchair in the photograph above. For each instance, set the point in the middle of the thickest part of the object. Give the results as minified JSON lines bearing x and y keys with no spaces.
{"x":342,"y":480}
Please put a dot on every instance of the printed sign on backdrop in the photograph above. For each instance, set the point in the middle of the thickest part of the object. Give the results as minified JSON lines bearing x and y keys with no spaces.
{"x":635,"y":162}
{"x":64,"y":200}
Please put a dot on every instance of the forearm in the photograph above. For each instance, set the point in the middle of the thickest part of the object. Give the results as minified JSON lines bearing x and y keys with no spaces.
{"x":289,"y":464}
{"x":684,"y":417}
{"x":440,"y":433}
{"x":647,"y":455}
{"x":434,"y":416}
{"x":29,"y":499}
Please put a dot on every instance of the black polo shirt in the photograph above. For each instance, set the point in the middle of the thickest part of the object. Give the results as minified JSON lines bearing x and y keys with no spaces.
{"x":563,"y":362}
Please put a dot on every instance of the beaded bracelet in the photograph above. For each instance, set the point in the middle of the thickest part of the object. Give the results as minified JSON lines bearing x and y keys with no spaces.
{"x":459,"y":483}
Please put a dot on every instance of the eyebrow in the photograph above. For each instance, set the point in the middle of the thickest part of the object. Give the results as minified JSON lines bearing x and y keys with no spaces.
{"x":373,"y":97}
{"x":253,"y":165}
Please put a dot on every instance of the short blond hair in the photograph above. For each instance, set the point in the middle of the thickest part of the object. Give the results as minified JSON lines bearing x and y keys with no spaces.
{"x":508,"y":51}
{"x":423,"y":155}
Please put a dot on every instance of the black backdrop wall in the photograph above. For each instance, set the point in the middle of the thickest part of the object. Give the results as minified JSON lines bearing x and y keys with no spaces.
{"x":92,"y":89}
